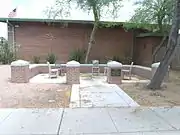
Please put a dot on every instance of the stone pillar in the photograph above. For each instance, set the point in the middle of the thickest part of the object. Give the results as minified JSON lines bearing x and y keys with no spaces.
{"x":114,"y":72}
{"x":20,"y":71}
{"x":73,"y":72}
{"x":155,"y":66}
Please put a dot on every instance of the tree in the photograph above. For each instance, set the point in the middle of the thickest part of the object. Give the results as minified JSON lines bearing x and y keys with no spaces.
{"x":155,"y":12}
{"x":171,"y":48}
{"x":6,"y":53}
{"x":98,"y":8}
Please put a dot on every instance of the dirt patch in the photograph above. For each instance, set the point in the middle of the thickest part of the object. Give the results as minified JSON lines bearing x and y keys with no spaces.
{"x":30,"y":95}
{"x":34,"y":95}
{"x":169,"y":95}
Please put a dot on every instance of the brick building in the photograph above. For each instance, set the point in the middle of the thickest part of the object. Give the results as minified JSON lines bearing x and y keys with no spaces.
{"x":38,"y":37}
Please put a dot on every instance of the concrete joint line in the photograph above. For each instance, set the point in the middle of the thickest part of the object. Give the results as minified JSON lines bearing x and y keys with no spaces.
{"x":163,"y":119}
{"x":60,"y":121}
{"x":6,"y":118}
{"x":112,"y":120}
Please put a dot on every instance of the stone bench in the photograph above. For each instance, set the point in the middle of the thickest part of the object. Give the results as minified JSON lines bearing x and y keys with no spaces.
{"x":144,"y":72}
{"x":22,"y":71}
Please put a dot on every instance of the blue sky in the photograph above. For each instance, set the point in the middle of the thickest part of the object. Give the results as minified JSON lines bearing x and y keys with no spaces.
{"x":35,"y":8}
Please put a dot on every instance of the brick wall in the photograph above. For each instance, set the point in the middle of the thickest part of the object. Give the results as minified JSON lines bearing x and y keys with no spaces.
{"x":144,"y":49}
{"x":34,"y":40}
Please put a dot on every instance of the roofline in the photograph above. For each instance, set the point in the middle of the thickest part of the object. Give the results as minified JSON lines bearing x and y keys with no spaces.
{"x":58,"y":20}
{"x":18,"y":20}
{"x":50,"y":20}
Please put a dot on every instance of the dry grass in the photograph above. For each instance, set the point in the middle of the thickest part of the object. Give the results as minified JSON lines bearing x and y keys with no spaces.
{"x":169,"y":95}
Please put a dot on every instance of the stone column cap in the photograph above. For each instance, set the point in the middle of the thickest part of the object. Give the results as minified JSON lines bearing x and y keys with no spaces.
{"x":20,"y":63}
{"x":155,"y":64}
{"x":73,"y":64}
{"x":114,"y":64}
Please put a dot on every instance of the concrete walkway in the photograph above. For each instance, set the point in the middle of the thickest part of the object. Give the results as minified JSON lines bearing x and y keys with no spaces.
{"x":96,"y":92}
{"x":100,"y":95}
{"x":90,"y":121}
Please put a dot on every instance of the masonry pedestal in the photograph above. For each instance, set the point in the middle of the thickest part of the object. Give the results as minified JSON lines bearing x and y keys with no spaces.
{"x":155,"y":66}
{"x":73,"y":72}
{"x":114,"y":72}
{"x":20,"y":71}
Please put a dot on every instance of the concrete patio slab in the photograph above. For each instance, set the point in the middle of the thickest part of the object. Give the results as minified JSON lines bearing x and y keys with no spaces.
{"x":43,"y":78}
{"x":123,"y":95}
{"x":32,"y":121}
{"x":103,"y":80}
{"x":170,"y":115}
{"x":101,"y":99}
{"x":100,"y":95}
{"x":86,"y":120}
{"x":95,"y":80}
{"x":137,"y":120}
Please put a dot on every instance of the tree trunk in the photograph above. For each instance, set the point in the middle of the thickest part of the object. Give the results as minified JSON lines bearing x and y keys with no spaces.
{"x":91,"y":42}
{"x":171,"y":47}
{"x":160,"y":24}
{"x":96,"y":14}
{"x":157,"y":49}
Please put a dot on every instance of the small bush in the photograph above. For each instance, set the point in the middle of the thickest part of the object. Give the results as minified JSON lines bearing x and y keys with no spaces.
{"x":124,"y":60}
{"x":36,"y":59}
{"x":127,"y":60}
{"x":116,"y":58}
{"x":6,"y":53}
{"x":78,"y":55}
{"x":51,"y":58}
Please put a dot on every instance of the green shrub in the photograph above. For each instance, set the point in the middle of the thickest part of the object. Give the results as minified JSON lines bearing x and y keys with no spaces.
{"x":51,"y":58}
{"x":6,"y":53}
{"x":124,"y":60}
{"x":116,"y":58}
{"x":78,"y":55}
{"x":127,"y":60}
{"x":36,"y":59}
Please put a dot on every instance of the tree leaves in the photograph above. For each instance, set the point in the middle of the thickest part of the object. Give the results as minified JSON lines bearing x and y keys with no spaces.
{"x":60,"y":9}
{"x":102,"y":8}
{"x":154,"y":12}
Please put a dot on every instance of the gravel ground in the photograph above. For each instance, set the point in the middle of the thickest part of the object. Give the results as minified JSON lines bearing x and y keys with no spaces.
{"x":169,"y":95}
{"x":31,"y":95}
